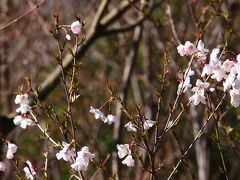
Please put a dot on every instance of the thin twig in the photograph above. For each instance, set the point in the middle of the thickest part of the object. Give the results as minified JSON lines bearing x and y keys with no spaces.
{"x":22,"y":16}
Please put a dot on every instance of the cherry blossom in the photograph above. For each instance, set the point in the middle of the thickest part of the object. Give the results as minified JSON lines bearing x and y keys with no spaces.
{"x":130,"y":127}
{"x":185,"y":83}
{"x":202,"y":52}
{"x":129,"y":161}
{"x":110,"y":119}
{"x":227,"y":65}
{"x":197,"y":98}
{"x":124,"y":151}
{"x":199,"y":93}
{"x":181,"y":50}
{"x":21,"y":99}
{"x":76,"y":27}
{"x":200,"y":86}
{"x":190,"y":48}
{"x":148,"y":124}
{"x":2,"y":166}
{"x":187,"y":49}
{"x":66,"y":153}
{"x":218,"y":72}
{"x":97,"y":114}
{"x":235,"y":97}
{"x":29,"y":171}
{"x":24,"y":108}
{"x":214,"y":56}
{"x":23,"y":121}
{"x":227,"y":84}
{"x":82,"y":159}
{"x":12,"y":149}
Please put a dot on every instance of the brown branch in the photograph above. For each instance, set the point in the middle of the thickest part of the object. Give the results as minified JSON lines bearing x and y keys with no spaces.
{"x":128,"y":70}
{"x":22,"y":16}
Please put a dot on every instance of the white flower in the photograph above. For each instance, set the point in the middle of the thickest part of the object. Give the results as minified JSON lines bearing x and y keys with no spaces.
{"x":82,"y":159}
{"x":227,"y":84}
{"x":129,"y":161}
{"x":24,"y":108}
{"x":2,"y":166}
{"x":12,"y":149}
{"x":197,"y":98}
{"x":76,"y":27}
{"x":238,"y":58}
{"x":184,"y":85}
{"x":66,"y":153}
{"x":29,"y":171}
{"x":190,"y":48}
{"x":213,"y":55}
{"x":110,"y":119}
{"x":211,"y":89}
{"x":207,"y":70}
{"x":130,"y":127}
{"x":202,"y":52}
{"x":218,"y":72}
{"x":235,"y":97}
{"x":148,"y":124}
{"x":236,"y":84}
{"x":200,"y":86}
{"x":227,"y":65}
{"x":68,"y":37}
{"x":21,"y":99}
{"x":97,"y":114}
{"x":23,"y":121}
{"x":181,"y":50}
{"x":189,"y":72}
{"x":123,"y":150}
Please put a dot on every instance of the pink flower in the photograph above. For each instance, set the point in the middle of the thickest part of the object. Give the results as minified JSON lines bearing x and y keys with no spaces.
{"x":202,"y":52}
{"x":24,"y":108}
{"x":82,"y":159}
{"x":124,"y":151}
{"x":66,"y":153}
{"x":2,"y":166}
{"x":197,"y":98}
{"x":190,"y":48}
{"x":76,"y":27}
{"x":130,"y":127}
{"x":23,"y":121}
{"x":97,"y":114}
{"x":21,"y":99}
{"x":129,"y":161}
{"x":200,"y":86}
{"x":181,"y":50}
{"x":148,"y":124}
{"x":29,"y":171}
{"x":12,"y":149}
{"x":235,"y":97}
{"x":110,"y":119}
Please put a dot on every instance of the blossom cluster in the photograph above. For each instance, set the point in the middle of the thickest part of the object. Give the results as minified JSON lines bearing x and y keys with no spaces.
{"x":98,"y":114}
{"x":68,"y":153}
{"x":134,"y":128}
{"x":214,"y":69}
{"x":23,"y":120}
{"x":125,"y":152}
